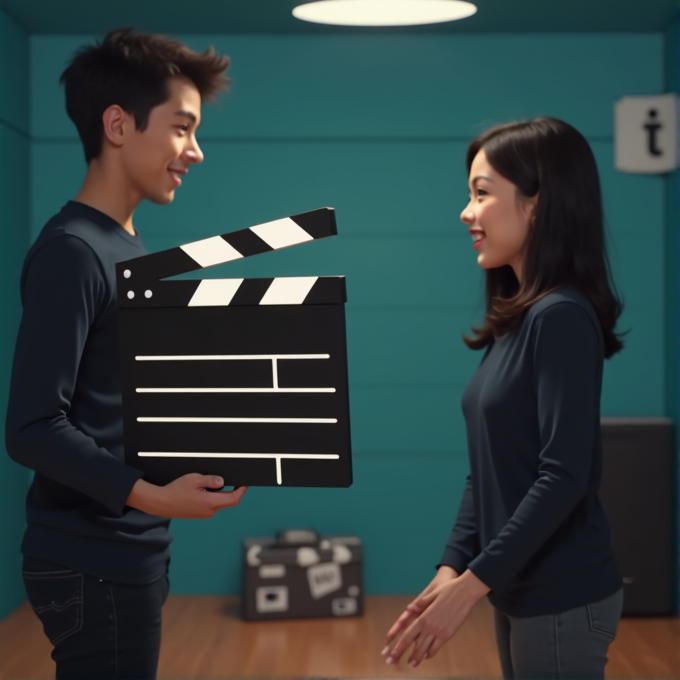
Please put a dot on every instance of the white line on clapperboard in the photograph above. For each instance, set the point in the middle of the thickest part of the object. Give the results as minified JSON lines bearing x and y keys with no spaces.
{"x":236,"y":390}
{"x":277,"y":456}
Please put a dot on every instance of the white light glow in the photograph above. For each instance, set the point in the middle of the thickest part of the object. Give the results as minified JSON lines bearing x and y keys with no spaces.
{"x":384,"y":12}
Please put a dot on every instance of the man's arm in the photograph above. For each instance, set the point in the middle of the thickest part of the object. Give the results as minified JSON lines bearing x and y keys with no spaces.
{"x":64,"y":289}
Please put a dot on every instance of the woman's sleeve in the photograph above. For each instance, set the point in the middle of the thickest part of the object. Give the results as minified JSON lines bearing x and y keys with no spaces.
{"x":567,"y":357}
{"x":463,"y":544}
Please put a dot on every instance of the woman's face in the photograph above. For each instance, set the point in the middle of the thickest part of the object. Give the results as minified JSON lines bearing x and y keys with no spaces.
{"x":498,"y":217}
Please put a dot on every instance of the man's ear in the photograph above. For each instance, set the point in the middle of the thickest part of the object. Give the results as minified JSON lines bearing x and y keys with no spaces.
{"x":116,"y":123}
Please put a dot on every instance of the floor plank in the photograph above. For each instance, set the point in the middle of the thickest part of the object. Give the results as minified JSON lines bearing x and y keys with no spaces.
{"x":204,"y":637}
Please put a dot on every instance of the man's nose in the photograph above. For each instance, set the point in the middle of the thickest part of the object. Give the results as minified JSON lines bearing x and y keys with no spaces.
{"x":194,"y":154}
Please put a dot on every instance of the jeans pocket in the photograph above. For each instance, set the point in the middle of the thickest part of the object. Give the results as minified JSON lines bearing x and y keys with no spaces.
{"x":604,"y":615}
{"x":57,"y":599}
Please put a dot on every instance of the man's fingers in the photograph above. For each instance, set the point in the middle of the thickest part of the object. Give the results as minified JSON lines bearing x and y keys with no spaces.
{"x":229,"y":499}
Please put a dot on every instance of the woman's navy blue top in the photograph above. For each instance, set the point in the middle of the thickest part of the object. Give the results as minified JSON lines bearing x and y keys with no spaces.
{"x":530,"y":524}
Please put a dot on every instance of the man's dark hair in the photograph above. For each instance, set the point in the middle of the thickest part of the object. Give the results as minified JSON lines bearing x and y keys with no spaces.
{"x":133,"y":70}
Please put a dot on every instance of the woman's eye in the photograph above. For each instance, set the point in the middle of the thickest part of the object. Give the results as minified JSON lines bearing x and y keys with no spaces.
{"x":184,"y":128}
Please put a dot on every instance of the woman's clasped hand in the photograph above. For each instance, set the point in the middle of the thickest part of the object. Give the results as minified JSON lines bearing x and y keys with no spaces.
{"x":434,"y":616}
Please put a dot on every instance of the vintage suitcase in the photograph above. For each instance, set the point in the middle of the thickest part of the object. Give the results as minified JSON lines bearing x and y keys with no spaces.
{"x":300,"y":574}
{"x":242,"y":378}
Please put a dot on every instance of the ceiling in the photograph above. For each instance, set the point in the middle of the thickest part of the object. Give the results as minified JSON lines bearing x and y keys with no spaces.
{"x":274,"y":16}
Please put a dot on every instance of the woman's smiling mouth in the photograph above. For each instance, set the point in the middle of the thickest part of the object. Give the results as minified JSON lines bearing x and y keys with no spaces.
{"x":477,"y":236}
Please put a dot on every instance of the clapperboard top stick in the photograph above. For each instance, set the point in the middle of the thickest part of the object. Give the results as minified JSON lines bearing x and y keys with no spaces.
{"x":262,"y":238}
{"x":235,"y":376}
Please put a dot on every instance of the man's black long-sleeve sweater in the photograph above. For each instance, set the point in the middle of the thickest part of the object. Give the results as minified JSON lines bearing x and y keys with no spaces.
{"x":64,"y":419}
{"x":530,"y":524}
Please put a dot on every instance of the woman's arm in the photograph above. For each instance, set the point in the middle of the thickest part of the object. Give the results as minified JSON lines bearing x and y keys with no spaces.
{"x":567,"y":361}
{"x":463,"y":544}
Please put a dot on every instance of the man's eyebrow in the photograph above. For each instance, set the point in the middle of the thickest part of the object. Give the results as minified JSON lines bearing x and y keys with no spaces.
{"x":187,"y":114}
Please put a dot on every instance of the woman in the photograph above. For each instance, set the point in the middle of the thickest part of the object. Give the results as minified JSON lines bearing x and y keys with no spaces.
{"x":530,"y":530}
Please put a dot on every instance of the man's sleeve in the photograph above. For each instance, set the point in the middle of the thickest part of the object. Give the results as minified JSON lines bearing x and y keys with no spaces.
{"x":567,"y":355}
{"x":463,"y":543}
{"x":63,"y":290}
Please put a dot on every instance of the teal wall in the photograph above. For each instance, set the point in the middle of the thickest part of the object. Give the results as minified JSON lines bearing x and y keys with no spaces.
{"x":14,"y":238}
{"x":377,"y":127}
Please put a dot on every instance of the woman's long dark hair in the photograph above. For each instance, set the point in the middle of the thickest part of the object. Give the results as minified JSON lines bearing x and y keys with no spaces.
{"x":566,"y":244}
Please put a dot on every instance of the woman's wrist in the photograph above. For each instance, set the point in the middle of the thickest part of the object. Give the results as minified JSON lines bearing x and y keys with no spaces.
{"x":476,"y":586}
{"x":446,"y":570}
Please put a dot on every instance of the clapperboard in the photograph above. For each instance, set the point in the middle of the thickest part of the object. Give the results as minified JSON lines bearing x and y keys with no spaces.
{"x":244,"y":378}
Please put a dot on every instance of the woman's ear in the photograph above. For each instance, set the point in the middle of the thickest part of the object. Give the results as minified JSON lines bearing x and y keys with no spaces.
{"x":530,"y":206}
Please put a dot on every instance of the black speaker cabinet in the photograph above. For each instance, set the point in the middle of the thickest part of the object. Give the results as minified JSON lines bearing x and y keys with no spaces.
{"x":638,"y":493}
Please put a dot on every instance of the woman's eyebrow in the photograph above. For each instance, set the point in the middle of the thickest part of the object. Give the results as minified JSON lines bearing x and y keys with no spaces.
{"x":488,"y":179}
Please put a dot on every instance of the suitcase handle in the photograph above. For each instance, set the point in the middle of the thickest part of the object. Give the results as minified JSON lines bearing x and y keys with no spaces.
{"x":297,"y":537}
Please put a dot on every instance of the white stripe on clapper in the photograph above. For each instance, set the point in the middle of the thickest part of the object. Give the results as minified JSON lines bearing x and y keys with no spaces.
{"x":210,"y":251}
{"x":290,"y":290}
{"x":215,"y":292}
{"x":281,"y":233}
{"x":277,"y":456}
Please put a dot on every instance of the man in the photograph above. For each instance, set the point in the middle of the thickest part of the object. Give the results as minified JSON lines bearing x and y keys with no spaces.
{"x":96,"y":548}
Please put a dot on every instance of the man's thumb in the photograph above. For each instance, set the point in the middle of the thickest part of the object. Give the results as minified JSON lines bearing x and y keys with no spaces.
{"x":215,"y":482}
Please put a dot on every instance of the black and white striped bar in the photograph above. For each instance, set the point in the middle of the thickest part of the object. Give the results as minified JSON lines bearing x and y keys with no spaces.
{"x":262,"y":238}
{"x":300,"y":290}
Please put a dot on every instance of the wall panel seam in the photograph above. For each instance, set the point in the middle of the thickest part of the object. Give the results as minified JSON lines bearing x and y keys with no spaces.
{"x":16,"y":129}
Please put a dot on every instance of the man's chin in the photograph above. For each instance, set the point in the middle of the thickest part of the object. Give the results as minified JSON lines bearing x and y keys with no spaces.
{"x":162,"y":199}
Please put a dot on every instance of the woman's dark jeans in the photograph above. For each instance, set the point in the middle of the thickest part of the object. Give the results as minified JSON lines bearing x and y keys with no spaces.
{"x":100,"y":629}
{"x":571,"y":645}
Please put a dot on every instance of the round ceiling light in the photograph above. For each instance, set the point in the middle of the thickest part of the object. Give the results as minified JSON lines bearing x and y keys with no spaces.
{"x":383,"y":12}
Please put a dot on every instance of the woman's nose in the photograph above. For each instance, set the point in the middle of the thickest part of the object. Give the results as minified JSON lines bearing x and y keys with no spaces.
{"x":467,"y":217}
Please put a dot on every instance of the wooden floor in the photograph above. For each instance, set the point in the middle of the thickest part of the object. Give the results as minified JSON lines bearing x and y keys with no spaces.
{"x":203,"y":637}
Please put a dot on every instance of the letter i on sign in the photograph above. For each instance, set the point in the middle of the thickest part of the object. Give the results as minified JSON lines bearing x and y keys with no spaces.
{"x":646,"y":134}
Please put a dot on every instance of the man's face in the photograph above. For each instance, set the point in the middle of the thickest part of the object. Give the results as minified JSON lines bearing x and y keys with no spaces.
{"x":156,"y":159}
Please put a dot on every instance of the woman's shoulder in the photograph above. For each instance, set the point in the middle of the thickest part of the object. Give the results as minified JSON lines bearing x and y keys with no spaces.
{"x":565,"y":306}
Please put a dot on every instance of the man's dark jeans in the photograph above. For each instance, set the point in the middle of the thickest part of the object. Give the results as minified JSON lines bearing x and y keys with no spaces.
{"x":100,"y":629}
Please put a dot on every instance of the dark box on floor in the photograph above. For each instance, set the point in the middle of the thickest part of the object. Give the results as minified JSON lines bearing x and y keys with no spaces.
{"x":301,"y":574}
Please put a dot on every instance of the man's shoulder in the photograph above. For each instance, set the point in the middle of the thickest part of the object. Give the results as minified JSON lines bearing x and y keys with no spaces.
{"x":59,"y":239}
{"x":75,"y":234}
